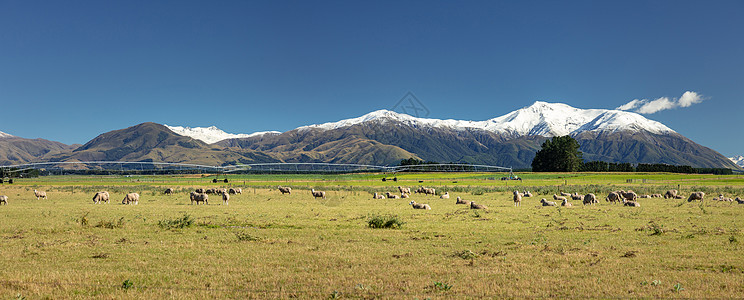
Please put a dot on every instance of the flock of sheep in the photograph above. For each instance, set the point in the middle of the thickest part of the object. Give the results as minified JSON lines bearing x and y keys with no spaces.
{"x":627,"y":198}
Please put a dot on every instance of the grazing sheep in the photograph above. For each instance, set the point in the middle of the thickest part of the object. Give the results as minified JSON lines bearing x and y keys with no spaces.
{"x":392,"y":196}
{"x":564,"y":194}
{"x":168,"y":191}
{"x":613,"y":197}
{"x":644,"y":196}
{"x":4,"y":199}
{"x":221,"y":191}
{"x":404,"y":195}
{"x":589,"y":199}
{"x":131,"y":198}
{"x":576,"y":196}
{"x":517,"y":198}
{"x":101,"y":197}
{"x":40,"y":194}
{"x":200,"y":191}
{"x":403,"y":190}
{"x":566,"y":203}
{"x":551,"y":203}
{"x":461,"y":201}
{"x":430,"y":191}
{"x":678,"y":197}
{"x":526,"y":194}
{"x":671,"y":194}
{"x":696,"y":196}
{"x":225,"y":198}
{"x":629,"y":195}
{"x":235,"y":191}
{"x":318,"y":194}
{"x":556,"y":197}
{"x":739,"y":200}
{"x":285,"y":190}
{"x":199,"y":197}
{"x":444,"y":196}
{"x":419,"y":205}
{"x":378,"y":196}
{"x":420,"y":190}
{"x":656,"y":196}
{"x":211,"y":191}
{"x":477,"y":206}
{"x":631,"y":203}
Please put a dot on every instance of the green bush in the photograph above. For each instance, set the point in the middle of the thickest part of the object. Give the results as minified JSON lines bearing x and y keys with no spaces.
{"x":182,"y":222}
{"x":386,"y":221}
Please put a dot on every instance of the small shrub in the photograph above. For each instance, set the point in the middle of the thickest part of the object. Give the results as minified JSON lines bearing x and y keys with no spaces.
{"x":84,"y":220}
{"x":732,"y":240}
{"x":182,"y":222}
{"x":441,"y":286}
{"x":111,"y":224}
{"x":246,"y":237}
{"x":466,"y":254}
{"x":678,"y":287}
{"x":127,"y":284}
{"x":387,"y":221}
{"x":335,"y":295}
{"x":657,"y":229}
{"x":656,"y":282}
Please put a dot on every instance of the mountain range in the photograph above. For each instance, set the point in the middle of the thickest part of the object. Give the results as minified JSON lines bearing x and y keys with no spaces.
{"x":385,"y":137}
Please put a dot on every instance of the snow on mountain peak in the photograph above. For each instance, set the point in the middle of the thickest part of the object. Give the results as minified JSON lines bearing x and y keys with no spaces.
{"x":212,"y":134}
{"x":738,"y":160}
{"x":5,"y":135}
{"x":541,"y":118}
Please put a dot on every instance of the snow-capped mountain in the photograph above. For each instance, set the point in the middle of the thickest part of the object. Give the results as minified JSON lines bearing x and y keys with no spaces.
{"x":738,"y":160}
{"x":5,"y":135}
{"x":212,"y":134}
{"x":539,"y":119}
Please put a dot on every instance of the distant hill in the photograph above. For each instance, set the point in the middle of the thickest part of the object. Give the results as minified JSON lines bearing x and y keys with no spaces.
{"x":16,"y":150}
{"x":151,"y":142}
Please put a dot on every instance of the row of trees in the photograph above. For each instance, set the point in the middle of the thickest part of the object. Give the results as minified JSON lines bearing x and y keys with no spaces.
{"x":562,"y":154}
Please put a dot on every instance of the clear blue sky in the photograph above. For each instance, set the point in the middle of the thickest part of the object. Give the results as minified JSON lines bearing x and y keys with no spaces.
{"x":70,"y":70}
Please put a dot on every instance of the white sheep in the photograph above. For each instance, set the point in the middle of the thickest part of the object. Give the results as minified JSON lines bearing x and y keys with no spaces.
{"x":403,"y":190}
{"x":696,"y":196}
{"x":556,"y":197}
{"x":631,"y":203}
{"x":378,"y":196}
{"x":40,"y":194}
{"x":318,"y":194}
{"x":671,"y":194}
{"x":199,"y":197}
{"x":404,"y":195}
{"x":430,"y":191}
{"x":461,"y":201}
{"x":285,"y":190}
{"x":613,"y":197}
{"x":444,"y":196}
{"x":589,"y":199}
{"x":551,"y":203}
{"x":656,"y":196}
{"x":526,"y":194}
{"x":168,"y":191}
{"x":236,"y":191}
{"x":419,"y":205}
{"x":392,"y":196}
{"x":101,"y":197}
{"x":739,"y":200}
{"x":225,"y":198}
{"x":4,"y":199}
{"x":131,"y":198}
{"x":630,"y":195}
{"x":566,"y":203}
{"x":576,"y":196}
{"x":517,"y":198}
{"x":477,"y":206}
{"x":564,"y":194}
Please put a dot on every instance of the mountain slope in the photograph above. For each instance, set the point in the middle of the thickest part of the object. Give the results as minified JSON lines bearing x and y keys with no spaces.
{"x":153,"y":142}
{"x":16,"y":150}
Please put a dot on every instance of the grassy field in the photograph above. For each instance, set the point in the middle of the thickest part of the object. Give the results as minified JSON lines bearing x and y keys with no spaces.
{"x":267,"y":245}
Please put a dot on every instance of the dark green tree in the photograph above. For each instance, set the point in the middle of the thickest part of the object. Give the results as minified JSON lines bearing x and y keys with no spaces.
{"x":559,"y":154}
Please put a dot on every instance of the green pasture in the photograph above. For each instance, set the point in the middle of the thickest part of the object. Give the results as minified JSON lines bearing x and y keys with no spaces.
{"x":267,"y":245}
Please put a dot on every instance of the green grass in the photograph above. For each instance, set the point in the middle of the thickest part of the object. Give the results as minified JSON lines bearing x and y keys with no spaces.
{"x":268,"y":245}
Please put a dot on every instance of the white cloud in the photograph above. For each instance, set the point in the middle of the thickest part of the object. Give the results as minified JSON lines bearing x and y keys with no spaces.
{"x":645,"y":106}
{"x":630,"y":105}
{"x":689,"y":98}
